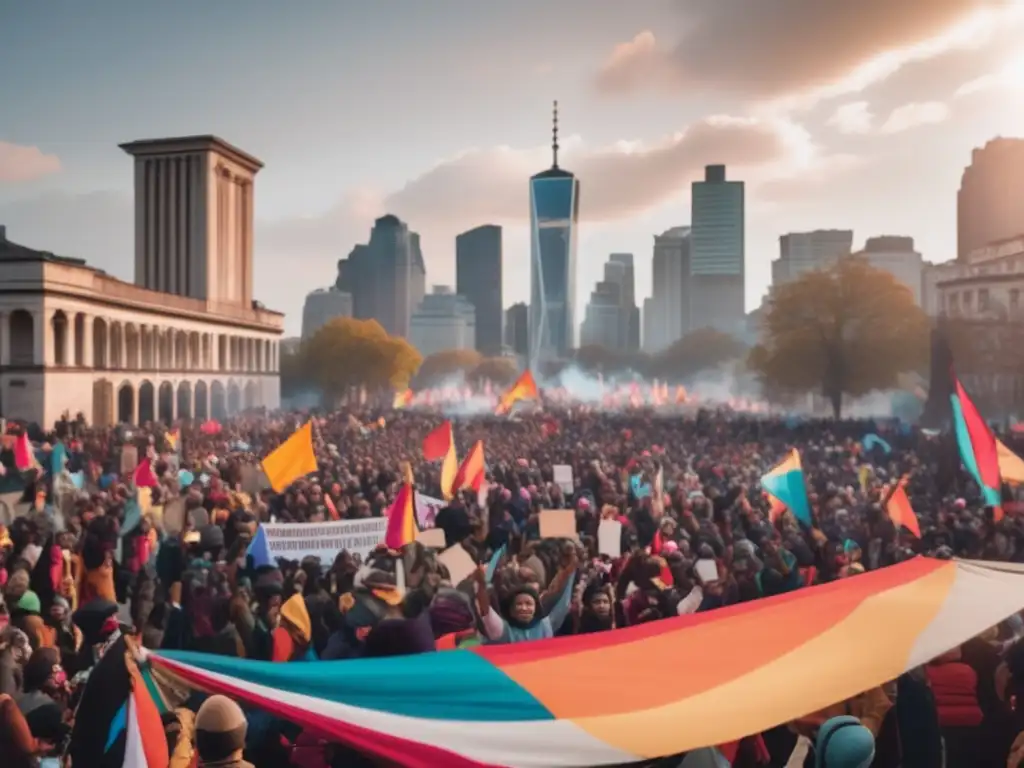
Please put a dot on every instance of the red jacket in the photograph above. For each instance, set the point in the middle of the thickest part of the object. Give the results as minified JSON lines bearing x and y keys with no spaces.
{"x":955,"y":686}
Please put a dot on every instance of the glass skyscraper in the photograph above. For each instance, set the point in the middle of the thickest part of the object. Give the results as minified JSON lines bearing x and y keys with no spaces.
{"x":554,"y":213}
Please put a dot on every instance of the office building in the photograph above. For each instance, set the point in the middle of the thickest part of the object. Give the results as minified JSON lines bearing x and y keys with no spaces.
{"x":896,"y":255}
{"x":443,"y":320}
{"x":717,"y":252}
{"x":322,"y":306}
{"x":990,"y":202}
{"x":631,"y":320}
{"x":611,"y":317}
{"x":554,"y":214}
{"x":478,"y":278}
{"x":385,"y":277}
{"x":668,"y":311}
{"x":517,"y":329}
{"x":802,"y":252}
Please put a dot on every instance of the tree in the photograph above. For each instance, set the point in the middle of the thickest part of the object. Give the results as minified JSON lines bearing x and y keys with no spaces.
{"x":347,"y":353}
{"x":450,"y":362}
{"x":849,"y":330}
{"x":701,"y":350}
{"x":498,"y":370}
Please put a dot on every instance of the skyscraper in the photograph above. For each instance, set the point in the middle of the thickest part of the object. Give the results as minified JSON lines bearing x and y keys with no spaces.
{"x":386,"y":277}
{"x":669,"y":309}
{"x":717,"y":252}
{"x":321,"y":307}
{"x":989,"y":204}
{"x":478,"y":278}
{"x":801,"y":252}
{"x":631,"y":332}
{"x":517,"y":332}
{"x":612,"y":318}
{"x":554,"y":213}
{"x":444,"y":320}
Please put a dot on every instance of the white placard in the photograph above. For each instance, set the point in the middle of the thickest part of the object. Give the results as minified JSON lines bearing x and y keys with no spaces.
{"x":707,"y":571}
{"x":427,"y":508}
{"x":295,"y":541}
{"x":609,"y":538}
{"x":563,"y":478}
{"x":458,"y":562}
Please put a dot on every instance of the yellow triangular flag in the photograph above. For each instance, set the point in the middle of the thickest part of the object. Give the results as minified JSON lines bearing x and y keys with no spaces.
{"x":293,"y":459}
{"x":1011,"y":467}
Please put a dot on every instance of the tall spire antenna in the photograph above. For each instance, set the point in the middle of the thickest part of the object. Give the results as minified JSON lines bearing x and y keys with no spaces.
{"x":554,"y":136}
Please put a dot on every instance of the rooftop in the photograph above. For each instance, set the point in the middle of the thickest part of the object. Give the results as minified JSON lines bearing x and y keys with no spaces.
{"x":190,"y":144}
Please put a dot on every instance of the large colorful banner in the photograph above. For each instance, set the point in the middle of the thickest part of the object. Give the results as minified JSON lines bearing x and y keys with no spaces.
{"x":325,"y":540}
{"x":566,"y":703}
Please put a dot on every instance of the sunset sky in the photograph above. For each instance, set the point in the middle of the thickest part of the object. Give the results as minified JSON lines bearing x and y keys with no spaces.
{"x":854,"y":115}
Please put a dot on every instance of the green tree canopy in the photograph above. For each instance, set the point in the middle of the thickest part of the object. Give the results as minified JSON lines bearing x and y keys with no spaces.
{"x":348,"y":353}
{"x":847,"y":330}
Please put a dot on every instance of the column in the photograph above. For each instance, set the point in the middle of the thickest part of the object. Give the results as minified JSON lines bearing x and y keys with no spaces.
{"x":5,"y":338}
{"x":135,"y":404}
{"x":39,"y":332}
{"x":87,"y":360}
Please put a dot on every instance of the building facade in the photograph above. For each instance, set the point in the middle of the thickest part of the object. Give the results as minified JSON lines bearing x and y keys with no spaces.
{"x":322,"y":306}
{"x":180,"y":342}
{"x":517,"y":329}
{"x":478,"y":277}
{"x":802,"y":252}
{"x":554,"y":216}
{"x":990,"y":201}
{"x":611,"y":318}
{"x":717,"y":252}
{"x":385,"y":277}
{"x":443,"y":320}
{"x":896,"y":255}
{"x":668,"y":314}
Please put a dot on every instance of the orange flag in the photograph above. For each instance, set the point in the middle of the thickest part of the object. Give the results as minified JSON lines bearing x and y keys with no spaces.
{"x":292,"y":459}
{"x":525,"y":388}
{"x":471,"y":472}
{"x":401,"y":528}
{"x":440,"y":443}
{"x":899,"y":510}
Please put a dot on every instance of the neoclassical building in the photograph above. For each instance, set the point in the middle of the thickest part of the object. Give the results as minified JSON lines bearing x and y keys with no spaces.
{"x":186,"y":340}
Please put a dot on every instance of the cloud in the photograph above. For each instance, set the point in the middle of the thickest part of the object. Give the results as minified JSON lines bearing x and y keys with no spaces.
{"x":20,"y":163}
{"x":799,"y":48}
{"x":914,"y":115}
{"x":854,"y":117}
{"x":1009,"y":75}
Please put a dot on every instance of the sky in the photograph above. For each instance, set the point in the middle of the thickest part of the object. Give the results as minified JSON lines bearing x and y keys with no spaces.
{"x":855,"y":115}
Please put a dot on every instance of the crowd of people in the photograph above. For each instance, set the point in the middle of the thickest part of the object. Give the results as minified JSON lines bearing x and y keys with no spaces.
{"x":77,"y":571}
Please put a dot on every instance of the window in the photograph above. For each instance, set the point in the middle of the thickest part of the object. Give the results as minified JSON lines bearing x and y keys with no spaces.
{"x":982,"y":299}
{"x":954,"y":303}
{"x":968,"y":301}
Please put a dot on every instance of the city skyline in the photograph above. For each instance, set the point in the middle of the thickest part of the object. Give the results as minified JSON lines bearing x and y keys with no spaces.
{"x":866,"y":125}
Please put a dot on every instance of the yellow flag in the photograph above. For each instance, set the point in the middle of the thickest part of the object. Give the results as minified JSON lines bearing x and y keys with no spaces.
{"x":293,"y":459}
{"x":1011,"y":468}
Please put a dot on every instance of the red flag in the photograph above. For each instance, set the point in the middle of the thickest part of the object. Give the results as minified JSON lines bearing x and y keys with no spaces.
{"x":401,"y":520}
{"x":436,"y":444}
{"x":24,"y":456}
{"x":471,"y":471}
{"x":331,"y":509}
{"x":900,"y":512}
{"x":143,"y":476}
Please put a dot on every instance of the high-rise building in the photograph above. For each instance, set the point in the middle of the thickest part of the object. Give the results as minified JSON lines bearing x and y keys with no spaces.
{"x":554,"y":213}
{"x":517,"y":329}
{"x":717,"y":252}
{"x":443,"y":320}
{"x":478,"y":278}
{"x":801,"y":252}
{"x":668,"y":314}
{"x":990,"y":202}
{"x":611,"y":317}
{"x":896,"y":255}
{"x":386,"y":277}
{"x":322,"y":306}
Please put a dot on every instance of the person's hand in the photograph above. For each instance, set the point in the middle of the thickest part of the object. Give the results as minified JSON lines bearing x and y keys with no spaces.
{"x":44,"y":747}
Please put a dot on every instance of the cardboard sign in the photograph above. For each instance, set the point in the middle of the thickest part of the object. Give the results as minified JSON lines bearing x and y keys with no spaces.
{"x":129,"y":459}
{"x":609,"y":538}
{"x":458,"y":562}
{"x":564,"y":479}
{"x":558,"y":524}
{"x":432,"y":537}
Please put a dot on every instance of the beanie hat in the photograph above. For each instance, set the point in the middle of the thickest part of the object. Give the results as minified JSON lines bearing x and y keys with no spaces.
{"x":843,"y":742}
{"x":220,"y":729}
{"x":29,"y":603}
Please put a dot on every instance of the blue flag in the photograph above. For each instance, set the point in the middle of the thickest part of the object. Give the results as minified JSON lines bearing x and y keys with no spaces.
{"x":259,"y":549}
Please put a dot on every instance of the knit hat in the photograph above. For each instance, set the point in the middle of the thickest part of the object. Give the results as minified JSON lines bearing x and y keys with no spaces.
{"x":295,"y":613}
{"x":29,"y":603}
{"x":220,"y":729}
{"x":843,"y":742}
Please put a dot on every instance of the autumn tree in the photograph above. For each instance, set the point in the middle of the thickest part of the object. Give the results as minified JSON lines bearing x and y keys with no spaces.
{"x":445,"y":364}
{"x":846,"y":330}
{"x":701,"y":350}
{"x":348,"y":353}
{"x":499,"y":370}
